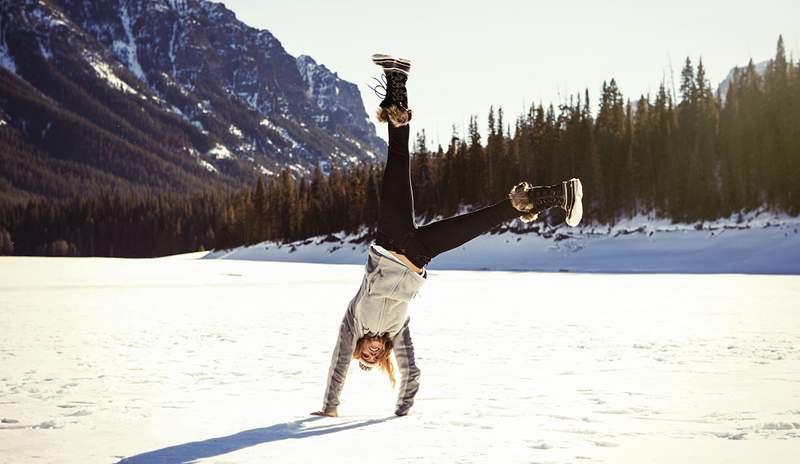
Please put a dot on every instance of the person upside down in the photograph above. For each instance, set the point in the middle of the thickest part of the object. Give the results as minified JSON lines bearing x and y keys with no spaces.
{"x":376,"y":323}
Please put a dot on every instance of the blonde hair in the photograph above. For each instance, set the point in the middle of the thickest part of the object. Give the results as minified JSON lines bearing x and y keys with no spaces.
{"x":384,"y":361}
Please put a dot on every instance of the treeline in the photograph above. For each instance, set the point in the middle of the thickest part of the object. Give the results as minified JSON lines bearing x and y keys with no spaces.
{"x":699,"y":156}
{"x":148,"y":226}
{"x":691,"y":157}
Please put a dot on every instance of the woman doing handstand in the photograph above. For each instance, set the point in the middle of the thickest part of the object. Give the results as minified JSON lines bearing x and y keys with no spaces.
{"x":376,"y":322}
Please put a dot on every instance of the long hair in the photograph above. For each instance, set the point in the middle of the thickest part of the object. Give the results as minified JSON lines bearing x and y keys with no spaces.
{"x":384,"y":360}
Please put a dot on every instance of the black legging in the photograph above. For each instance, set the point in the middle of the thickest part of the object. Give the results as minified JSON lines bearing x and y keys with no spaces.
{"x":397,"y":230}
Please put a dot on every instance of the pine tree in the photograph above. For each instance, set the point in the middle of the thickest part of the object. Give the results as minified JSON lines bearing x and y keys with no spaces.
{"x":320,"y":204}
{"x":685,"y":158}
{"x":628,"y":168}
{"x":372,"y":202}
{"x":476,"y":165}
{"x":422,"y":177}
{"x":704,"y":176}
{"x":777,"y":128}
{"x":260,"y":210}
{"x":337,"y":213}
{"x":610,"y":153}
{"x":644,"y":182}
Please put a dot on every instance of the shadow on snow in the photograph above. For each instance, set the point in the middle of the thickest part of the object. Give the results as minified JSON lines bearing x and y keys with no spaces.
{"x":192,"y":451}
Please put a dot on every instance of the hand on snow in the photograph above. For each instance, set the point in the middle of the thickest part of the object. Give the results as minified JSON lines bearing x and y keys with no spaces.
{"x":323,"y":413}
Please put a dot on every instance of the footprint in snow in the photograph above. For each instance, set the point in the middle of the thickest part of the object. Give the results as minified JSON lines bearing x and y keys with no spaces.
{"x":730,"y":436}
{"x":780,"y":426}
{"x":47,"y":425}
{"x":541,"y":446}
{"x":579,"y":431}
{"x":605,"y":444}
{"x":612,"y":411}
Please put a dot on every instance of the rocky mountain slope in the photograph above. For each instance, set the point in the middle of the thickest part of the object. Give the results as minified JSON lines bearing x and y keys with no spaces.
{"x":153,"y":95}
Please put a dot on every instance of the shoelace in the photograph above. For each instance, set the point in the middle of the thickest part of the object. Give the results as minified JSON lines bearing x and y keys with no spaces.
{"x":397,"y":92}
{"x":381,"y":85}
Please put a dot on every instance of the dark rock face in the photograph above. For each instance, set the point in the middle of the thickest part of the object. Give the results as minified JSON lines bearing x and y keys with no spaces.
{"x":335,"y":103}
{"x":182,"y":80}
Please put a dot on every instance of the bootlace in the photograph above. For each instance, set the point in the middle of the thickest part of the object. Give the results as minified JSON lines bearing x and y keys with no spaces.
{"x":392,"y":88}
{"x":379,"y":89}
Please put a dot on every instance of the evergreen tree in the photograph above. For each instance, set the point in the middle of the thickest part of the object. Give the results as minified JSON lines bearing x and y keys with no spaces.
{"x":260,"y":210}
{"x":372,"y":201}
{"x":476,"y":165}
{"x":696,"y":159}
{"x":608,"y":171}
{"x":422,"y":177}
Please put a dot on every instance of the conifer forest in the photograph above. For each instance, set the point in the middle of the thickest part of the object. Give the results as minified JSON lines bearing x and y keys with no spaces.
{"x":688,"y":153}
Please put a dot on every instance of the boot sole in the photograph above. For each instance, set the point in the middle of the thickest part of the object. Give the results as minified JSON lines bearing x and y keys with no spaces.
{"x":390,"y":63}
{"x":383,"y":57}
{"x":575,"y":199}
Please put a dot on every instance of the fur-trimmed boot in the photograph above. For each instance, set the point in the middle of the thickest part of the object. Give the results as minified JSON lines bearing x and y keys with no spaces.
{"x":531,"y":200}
{"x":394,"y":106}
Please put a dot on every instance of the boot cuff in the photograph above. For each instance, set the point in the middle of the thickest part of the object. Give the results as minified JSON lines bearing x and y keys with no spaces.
{"x":397,"y":116}
{"x":519,"y":197}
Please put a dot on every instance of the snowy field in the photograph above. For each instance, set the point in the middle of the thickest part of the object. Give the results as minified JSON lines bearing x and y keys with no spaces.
{"x":179,"y":360}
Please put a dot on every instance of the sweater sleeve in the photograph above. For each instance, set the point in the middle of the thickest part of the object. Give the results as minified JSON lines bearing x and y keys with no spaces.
{"x":409,"y":372}
{"x":340,"y":361}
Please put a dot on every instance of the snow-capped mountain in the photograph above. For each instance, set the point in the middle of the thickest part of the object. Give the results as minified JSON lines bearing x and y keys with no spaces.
{"x":335,"y":102}
{"x":183,"y":84}
{"x":760,"y":68}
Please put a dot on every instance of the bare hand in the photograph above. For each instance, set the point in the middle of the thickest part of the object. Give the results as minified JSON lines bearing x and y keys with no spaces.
{"x":323,"y":413}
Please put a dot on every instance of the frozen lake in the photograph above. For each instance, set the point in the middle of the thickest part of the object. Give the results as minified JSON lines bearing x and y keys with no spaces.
{"x":179,"y":360}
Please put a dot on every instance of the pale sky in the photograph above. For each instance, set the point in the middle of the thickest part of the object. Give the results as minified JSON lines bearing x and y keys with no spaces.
{"x":467,"y":56}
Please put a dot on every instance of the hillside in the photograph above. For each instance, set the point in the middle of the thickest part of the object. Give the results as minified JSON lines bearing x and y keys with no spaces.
{"x":149,"y":96}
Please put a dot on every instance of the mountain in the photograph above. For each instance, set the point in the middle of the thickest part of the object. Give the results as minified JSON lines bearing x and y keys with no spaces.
{"x":760,"y":69}
{"x":162,"y":95}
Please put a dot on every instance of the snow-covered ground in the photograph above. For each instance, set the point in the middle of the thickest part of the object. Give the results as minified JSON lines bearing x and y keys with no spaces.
{"x":179,"y":360}
{"x":759,"y":243}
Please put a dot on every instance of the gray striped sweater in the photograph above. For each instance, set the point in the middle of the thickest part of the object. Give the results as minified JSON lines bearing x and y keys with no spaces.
{"x":379,"y":307}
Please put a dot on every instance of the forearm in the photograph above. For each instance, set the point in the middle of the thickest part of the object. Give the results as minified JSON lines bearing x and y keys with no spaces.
{"x":340,"y":362}
{"x":409,"y":372}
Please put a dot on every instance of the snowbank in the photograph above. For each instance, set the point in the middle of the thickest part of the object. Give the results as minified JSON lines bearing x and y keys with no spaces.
{"x":759,"y":243}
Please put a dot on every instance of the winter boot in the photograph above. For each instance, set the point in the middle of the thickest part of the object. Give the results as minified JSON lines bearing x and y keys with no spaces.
{"x":531,"y":200}
{"x":394,"y":106}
